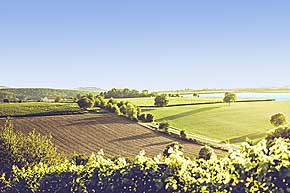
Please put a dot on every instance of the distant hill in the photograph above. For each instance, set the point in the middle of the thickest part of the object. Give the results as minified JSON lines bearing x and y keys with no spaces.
{"x":39,"y":93}
{"x":91,"y":89}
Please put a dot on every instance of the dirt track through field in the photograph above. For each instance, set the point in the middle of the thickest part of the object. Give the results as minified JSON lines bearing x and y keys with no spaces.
{"x":89,"y":133}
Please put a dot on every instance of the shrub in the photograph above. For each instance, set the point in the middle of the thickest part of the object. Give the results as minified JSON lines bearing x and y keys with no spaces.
{"x":131,"y":111}
{"x":172,"y":148}
{"x":149,"y":118}
{"x":182,"y":134}
{"x":164,"y":125}
{"x":278,"y":119}
{"x":280,"y":132}
{"x":57,"y":99}
{"x":85,"y":103}
{"x":113,"y":101}
{"x":161,"y":101}
{"x":205,"y":153}
{"x":6,"y":100}
{"x":123,"y":109}
{"x":142,"y":117}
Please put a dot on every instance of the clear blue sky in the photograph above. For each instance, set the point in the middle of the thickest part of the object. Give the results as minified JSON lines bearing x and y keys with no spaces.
{"x":153,"y":44}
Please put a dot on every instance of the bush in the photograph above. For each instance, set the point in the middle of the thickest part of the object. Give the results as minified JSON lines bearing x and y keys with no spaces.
{"x":149,"y":118}
{"x":182,"y":134}
{"x":280,"y":132}
{"x":278,"y":119}
{"x":205,"y":153}
{"x":85,"y":103}
{"x":142,"y":117}
{"x":172,"y":148}
{"x":6,"y":100}
{"x":164,"y":126}
{"x":161,"y":101}
{"x":131,"y":111}
{"x":57,"y":99}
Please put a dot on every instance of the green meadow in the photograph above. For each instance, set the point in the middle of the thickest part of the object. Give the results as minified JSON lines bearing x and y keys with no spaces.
{"x":149,"y":101}
{"x":222,"y":122}
{"x":9,"y":109}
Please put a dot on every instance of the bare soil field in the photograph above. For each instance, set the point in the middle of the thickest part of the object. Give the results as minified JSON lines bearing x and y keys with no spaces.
{"x":89,"y":133}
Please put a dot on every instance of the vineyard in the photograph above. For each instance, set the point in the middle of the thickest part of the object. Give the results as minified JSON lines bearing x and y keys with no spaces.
{"x":87,"y":133}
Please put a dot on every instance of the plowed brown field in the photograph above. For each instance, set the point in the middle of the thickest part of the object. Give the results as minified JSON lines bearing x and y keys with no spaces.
{"x":89,"y":133}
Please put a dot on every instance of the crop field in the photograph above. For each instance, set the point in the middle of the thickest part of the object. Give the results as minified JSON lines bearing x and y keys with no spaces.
{"x":8,"y":109}
{"x":89,"y":133}
{"x":223,"y":122}
{"x":149,"y":101}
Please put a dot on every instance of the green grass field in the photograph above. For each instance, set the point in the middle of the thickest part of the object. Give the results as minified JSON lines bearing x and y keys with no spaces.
{"x":221,"y":121}
{"x":149,"y":101}
{"x":9,"y":109}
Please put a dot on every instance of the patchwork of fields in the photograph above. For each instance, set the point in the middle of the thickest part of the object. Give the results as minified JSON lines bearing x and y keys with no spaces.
{"x":27,"y":108}
{"x":91,"y":132}
{"x":221,"y":121}
{"x":149,"y":101}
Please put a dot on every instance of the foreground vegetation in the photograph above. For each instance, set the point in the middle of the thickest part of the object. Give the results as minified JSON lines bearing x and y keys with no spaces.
{"x":264,"y":167}
{"x":226,"y":123}
{"x":28,"y":108}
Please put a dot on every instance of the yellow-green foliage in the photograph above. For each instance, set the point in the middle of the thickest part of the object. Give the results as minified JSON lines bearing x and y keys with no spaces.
{"x":23,"y":150}
{"x":256,"y":168}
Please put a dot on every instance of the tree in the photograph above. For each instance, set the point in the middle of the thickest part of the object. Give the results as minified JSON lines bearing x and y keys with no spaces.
{"x":205,"y":153}
{"x":278,"y":119}
{"x":161,"y":101}
{"x":229,"y":97}
{"x":131,"y":111}
{"x":85,"y":103}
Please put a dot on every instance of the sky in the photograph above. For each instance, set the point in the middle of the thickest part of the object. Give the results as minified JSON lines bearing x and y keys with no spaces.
{"x":149,"y":44}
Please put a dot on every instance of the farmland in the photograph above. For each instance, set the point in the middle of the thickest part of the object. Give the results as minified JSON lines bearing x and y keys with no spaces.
{"x":223,"y":122}
{"x":9,"y":109}
{"x":179,"y":101}
{"x":149,"y":101}
{"x":89,"y":133}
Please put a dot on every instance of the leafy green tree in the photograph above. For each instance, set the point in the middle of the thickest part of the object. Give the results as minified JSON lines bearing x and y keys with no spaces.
{"x":85,"y":103}
{"x":131,"y":111}
{"x":229,"y":98}
{"x":279,"y":119}
{"x":161,"y":101}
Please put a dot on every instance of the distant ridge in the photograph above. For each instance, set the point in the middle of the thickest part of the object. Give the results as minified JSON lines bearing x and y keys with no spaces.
{"x":90,"y":89}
